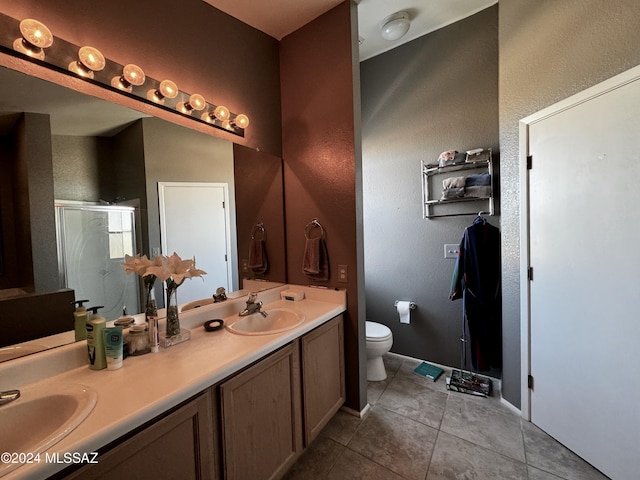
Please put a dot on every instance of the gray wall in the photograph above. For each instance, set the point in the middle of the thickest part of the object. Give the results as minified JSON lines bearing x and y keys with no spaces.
{"x":549,"y":50}
{"x":176,"y":154}
{"x":436,"y":93}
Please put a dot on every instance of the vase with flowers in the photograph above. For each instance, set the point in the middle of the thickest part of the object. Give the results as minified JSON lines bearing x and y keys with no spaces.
{"x":174,"y":271}
{"x":139,"y":265}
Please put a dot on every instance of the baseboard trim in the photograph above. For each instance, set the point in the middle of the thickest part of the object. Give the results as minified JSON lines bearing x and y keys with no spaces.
{"x":360,"y":414}
{"x":510,"y":406}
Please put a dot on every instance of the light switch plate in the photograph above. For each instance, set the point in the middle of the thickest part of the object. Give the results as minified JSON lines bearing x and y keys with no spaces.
{"x":451,"y":250}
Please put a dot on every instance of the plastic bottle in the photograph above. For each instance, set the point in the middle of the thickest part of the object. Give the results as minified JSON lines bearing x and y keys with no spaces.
{"x":80,"y":320}
{"x":113,"y":347}
{"x":95,"y":340}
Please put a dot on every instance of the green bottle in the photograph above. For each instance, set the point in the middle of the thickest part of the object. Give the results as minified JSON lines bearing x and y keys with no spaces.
{"x":80,"y":320}
{"x":95,"y":340}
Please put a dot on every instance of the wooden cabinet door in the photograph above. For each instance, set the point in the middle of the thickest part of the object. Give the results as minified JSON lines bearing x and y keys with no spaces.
{"x":261,"y":419}
{"x":178,"y":446}
{"x":323,"y":387}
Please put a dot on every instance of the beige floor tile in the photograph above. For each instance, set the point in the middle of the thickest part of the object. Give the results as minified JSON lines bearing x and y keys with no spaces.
{"x":341,"y":427}
{"x":317,"y":460}
{"x":454,"y":458}
{"x":535,"y":474}
{"x":415,"y":401}
{"x":484,"y":425}
{"x":353,"y":466}
{"x":400,"y":444}
{"x":548,"y":455}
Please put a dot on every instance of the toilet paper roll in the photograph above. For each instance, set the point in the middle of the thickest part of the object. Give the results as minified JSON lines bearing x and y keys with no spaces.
{"x":404,"y":311}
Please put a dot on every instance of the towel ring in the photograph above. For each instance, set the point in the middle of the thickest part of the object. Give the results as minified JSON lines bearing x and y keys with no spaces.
{"x":257,"y":228}
{"x":313,"y":224}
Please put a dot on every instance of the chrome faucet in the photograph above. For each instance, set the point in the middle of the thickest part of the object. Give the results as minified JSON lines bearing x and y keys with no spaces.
{"x":253,"y":306}
{"x":9,"y":396}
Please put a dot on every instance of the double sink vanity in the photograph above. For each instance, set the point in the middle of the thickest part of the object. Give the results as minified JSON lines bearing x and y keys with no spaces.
{"x":238,"y":402}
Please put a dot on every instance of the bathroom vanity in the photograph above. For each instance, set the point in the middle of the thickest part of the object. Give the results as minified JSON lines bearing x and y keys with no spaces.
{"x":220,"y":405}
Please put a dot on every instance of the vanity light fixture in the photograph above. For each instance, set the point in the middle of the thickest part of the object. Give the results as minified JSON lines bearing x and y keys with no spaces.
{"x":89,"y":60}
{"x":395,"y":26}
{"x":29,"y":38}
{"x":220,"y":113}
{"x":166,"y":89}
{"x":132,"y":75}
{"x":195,"y":102}
{"x":35,"y":38}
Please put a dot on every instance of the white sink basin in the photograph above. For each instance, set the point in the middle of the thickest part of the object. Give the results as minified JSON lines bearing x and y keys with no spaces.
{"x":277,"y":320}
{"x":41,"y":417}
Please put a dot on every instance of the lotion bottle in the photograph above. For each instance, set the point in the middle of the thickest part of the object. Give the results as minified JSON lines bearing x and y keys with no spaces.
{"x":95,"y":340}
{"x":80,"y":320}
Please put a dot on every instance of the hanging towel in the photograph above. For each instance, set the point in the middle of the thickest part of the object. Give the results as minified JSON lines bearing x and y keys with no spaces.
{"x":315,"y":263}
{"x":258,"y":262}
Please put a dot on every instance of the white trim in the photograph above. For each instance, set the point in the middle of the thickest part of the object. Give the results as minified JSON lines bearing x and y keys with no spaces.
{"x":602,"y":88}
{"x":360,"y":414}
{"x":510,"y":406}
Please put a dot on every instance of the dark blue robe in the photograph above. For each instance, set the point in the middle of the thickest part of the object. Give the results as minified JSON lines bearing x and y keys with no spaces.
{"x":476,"y":279}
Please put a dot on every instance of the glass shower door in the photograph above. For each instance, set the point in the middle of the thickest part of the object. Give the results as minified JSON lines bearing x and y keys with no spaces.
{"x":92,"y":243}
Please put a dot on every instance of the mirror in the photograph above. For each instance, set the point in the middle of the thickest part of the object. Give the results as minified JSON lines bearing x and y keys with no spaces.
{"x":102,"y":153}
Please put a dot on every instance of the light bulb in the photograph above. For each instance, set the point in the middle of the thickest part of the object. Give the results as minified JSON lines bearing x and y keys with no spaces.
{"x":196,"y":102}
{"x":35,"y":38}
{"x":241,"y":121}
{"x":89,"y":60}
{"x":208,"y":117}
{"x":221,"y":113}
{"x":166,"y":89}
{"x":132,"y":75}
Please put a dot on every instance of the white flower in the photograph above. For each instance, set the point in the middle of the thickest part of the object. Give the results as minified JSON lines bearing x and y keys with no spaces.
{"x":137,"y":264}
{"x":174,"y":270}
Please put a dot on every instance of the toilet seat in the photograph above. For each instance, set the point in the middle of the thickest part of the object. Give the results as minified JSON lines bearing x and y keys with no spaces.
{"x":376,"y":332}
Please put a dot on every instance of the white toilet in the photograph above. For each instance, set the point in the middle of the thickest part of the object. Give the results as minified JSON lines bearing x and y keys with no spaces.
{"x":379,"y":341}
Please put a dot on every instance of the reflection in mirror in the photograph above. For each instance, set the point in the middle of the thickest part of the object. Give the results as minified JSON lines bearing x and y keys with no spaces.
{"x":58,"y":144}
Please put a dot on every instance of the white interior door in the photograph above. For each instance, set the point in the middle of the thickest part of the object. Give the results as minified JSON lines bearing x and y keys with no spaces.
{"x":584,"y":229}
{"x":195,"y":223}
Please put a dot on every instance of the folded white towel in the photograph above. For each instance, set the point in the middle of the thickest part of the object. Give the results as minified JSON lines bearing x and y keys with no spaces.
{"x":453,"y":182}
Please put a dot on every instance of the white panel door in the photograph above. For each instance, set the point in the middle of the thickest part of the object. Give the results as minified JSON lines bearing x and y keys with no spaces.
{"x":584,"y":235}
{"x":194,"y":223}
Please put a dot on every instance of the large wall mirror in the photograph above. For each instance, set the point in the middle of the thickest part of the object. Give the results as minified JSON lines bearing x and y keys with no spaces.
{"x":110,"y":159}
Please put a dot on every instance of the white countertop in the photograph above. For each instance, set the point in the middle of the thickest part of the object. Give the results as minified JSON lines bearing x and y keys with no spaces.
{"x":148,"y":385}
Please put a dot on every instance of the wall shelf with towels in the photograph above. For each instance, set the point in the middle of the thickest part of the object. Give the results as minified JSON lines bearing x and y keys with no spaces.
{"x":437,"y":202}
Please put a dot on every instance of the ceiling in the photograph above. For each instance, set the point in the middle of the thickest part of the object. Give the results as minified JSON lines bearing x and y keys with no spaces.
{"x":279,"y":18}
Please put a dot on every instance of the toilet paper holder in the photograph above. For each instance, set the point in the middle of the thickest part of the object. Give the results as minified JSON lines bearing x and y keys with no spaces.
{"x":412,"y":306}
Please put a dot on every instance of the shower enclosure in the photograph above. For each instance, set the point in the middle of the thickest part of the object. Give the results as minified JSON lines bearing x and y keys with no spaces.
{"x":92,"y":243}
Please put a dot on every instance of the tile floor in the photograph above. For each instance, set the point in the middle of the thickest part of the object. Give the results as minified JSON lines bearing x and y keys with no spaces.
{"x":417,"y":429}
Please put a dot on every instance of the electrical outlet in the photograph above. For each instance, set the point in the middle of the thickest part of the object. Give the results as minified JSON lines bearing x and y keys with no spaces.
{"x":245,"y":265}
{"x":451,"y":250}
{"x":343,"y":274}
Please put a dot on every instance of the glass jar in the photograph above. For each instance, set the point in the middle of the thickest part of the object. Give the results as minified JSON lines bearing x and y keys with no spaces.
{"x":126,"y":323}
{"x":138,"y":340}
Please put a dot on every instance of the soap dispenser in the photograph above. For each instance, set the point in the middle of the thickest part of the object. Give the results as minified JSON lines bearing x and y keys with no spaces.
{"x":80,"y":320}
{"x":95,"y":339}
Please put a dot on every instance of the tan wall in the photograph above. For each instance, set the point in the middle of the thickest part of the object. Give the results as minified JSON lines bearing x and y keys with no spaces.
{"x":320,"y":160}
